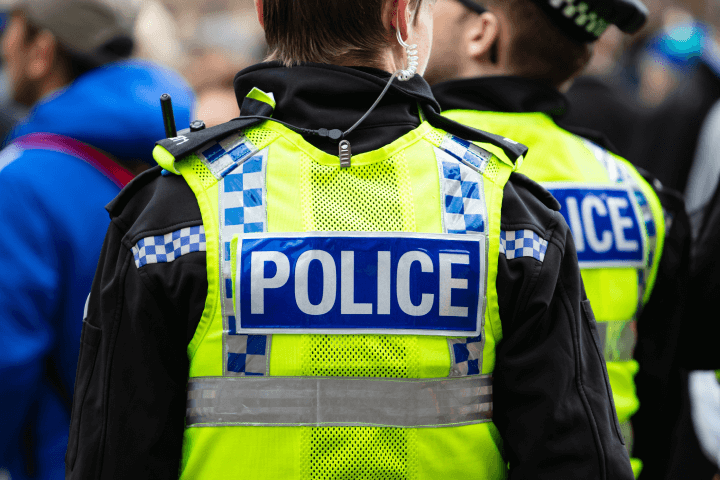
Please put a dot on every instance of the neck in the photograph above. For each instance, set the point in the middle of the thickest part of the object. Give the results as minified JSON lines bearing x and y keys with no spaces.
{"x":389,"y":60}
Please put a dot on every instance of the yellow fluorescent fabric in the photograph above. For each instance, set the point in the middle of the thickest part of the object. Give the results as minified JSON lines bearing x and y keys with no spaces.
{"x":396,"y":188}
{"x":556,"y":155}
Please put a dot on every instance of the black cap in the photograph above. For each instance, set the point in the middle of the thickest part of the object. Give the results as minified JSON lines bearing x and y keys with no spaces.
{"x":586,"y":20}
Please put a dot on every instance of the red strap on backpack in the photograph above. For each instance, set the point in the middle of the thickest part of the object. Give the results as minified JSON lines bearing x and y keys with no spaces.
{"x":69,"y":146}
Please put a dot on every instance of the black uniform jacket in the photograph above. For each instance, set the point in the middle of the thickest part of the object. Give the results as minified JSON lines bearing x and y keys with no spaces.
{"x":659,"y":350}
{"x":552,"y":401}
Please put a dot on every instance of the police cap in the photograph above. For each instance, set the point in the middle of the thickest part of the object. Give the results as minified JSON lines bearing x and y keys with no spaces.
{"x":586,"y":20}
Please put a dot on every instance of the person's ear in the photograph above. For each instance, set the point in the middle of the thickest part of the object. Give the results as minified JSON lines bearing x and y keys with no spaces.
{"x":482,"y":33}
{"x":42,"y":55}
{"x":399,"y":16}
{"x":259,"y":11}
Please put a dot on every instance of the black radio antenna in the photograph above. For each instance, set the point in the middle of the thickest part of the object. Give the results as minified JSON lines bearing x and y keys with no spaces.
{"x":168,"y":116}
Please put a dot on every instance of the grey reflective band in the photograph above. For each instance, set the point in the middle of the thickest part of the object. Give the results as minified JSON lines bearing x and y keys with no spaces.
{"x":617,"y":339}
{"x":338,"y":401}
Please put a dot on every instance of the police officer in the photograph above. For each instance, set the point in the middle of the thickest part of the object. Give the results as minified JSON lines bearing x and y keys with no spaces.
{"x":320,"y":289}
{"x":502,"y":66}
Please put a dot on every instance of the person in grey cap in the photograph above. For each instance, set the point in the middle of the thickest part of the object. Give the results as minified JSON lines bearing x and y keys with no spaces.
{"x":502,"y":65}
{"x":94,"y":120}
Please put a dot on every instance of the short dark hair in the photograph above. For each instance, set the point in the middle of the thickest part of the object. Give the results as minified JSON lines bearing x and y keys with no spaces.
{"x":539,"y":49}
{"x":325,"y":31}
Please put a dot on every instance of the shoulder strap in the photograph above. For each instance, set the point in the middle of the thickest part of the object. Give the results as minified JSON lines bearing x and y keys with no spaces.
{"x":69,"y":146}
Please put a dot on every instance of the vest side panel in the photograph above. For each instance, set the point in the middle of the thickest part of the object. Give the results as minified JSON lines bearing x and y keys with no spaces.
{"x":206,"y":335}
{"x":494,"y":195}
{"x":260,"y":453}
{"x":658,"y":216}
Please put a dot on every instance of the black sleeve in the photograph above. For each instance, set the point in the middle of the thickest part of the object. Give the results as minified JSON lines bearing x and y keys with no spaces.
{"x":660,"y":351}
{"x":701,"y":331}
{"x":552,"y":400}
{"x":129,"y":404}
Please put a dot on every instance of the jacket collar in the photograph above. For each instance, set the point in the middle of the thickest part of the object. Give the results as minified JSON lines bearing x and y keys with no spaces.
{"x":327,"y":96}
{"x":500,"y":94}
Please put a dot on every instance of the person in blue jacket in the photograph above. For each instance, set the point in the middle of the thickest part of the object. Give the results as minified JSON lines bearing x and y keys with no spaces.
{"x":95,"y":119}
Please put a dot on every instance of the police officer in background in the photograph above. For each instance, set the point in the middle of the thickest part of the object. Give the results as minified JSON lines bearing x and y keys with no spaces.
{"x":502,"y":66}
{"x":321,"y":289}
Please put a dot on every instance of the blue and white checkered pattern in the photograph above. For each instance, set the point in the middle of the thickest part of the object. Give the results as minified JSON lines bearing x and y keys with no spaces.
{"x":243,"y":209}
{"x":466,"y":356}
{"x":224,"y":156}
{"x":466,"y":152}
{"x":522,"y":243}
{"x":461,"y":165}
{"x":247,"y":355}
{"x":464,"y":209}
{"x":169,"y":247}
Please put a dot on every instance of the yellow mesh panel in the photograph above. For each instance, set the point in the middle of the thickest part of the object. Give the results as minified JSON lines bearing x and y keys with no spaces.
{"x":373,"y":197}
{"x":390,"y":356}
{"x":435,"y":137}
{"x":492,"y":169}
{"x":259,"y":136}
{"x":203,"y":174}
{"x":351,"y":453}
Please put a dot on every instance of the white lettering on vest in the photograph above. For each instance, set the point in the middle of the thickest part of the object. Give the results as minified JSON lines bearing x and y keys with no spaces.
{"x":329,"y":290}
{"x":620,"y":224}
{"x":403,"y":284}
{"x":448,"y":284}
{"x":258,"y":281}
{"x":575,"y":223}
{"x":383,"y":287}
{"x":598,"y":245}
{"x":347,"y":287}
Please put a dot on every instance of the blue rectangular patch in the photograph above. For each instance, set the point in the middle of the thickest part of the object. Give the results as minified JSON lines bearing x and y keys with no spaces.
{"x":606,"y":224}
{"x":351,"y":282}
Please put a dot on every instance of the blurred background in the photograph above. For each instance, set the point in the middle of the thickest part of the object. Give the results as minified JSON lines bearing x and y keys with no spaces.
{"x":649,"y":93}
{"x":208,"y":41}
{"x":664,"y":79}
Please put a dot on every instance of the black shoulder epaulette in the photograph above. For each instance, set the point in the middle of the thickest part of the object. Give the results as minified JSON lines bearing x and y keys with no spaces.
{"x":252,"y":112}
{"x":512,"y":149}
{"x":188,"y":142}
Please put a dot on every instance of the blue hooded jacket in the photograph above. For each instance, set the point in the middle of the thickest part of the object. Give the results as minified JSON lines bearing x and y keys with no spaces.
{"x":52,"y":226}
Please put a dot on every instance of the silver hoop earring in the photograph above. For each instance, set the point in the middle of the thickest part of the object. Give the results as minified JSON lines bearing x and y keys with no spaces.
{"x":412,"y":59}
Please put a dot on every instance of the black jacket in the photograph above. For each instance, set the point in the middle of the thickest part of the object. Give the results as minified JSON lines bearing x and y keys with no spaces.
{"x":659,"y":351}
{"x":552,"y":401}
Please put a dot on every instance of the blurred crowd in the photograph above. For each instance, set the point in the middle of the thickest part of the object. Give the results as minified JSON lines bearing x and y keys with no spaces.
{"x":654,"y":96}
{"x":208,"y":42}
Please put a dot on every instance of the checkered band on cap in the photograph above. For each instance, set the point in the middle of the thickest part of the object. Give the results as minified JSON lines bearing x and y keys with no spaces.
{"x":243,"y":209}
{"x":463,"y":196}
{"x":522,"y":243}
{"x":169,"y":247}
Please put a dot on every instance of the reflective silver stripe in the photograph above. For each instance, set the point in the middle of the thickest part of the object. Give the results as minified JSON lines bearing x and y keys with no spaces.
{"x":338,"y":401}
{"x":618,"y":339}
